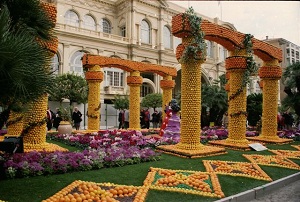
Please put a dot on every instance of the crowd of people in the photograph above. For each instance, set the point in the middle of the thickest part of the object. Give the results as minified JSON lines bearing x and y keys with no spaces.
{"x":54,"y":119}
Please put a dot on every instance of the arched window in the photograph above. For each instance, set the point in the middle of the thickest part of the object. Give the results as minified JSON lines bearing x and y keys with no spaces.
{"x":167,"y":37}
{"x":55,"y":64}
{"x":145,"y":32}
{"x":76,"y":63}
{"x":89,"y":23}
{"x":71,"y":18}
{"x":106,"y":26}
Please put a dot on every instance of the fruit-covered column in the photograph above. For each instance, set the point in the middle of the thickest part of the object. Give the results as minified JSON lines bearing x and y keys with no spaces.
{"x":94,"y":77}
{"x":34,"y":122}
{"x":167,"y":84}
{"x":270,"y":73}
{"x":236,"y":64}
{"x":134,"y":81}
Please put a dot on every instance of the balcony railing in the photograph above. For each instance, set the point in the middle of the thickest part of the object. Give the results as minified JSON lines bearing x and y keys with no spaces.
{"x":91,"y":33}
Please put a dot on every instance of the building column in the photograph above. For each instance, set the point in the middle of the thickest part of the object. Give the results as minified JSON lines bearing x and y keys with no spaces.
{"x":94,"y":77}
{"x":134,"y":81}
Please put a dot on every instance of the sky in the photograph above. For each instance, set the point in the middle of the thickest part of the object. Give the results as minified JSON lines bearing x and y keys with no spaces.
{"x":275,"y":19}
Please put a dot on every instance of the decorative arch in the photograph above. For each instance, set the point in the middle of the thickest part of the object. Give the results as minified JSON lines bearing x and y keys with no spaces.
{"x":94,"y":76}
{"x":241,"y":46}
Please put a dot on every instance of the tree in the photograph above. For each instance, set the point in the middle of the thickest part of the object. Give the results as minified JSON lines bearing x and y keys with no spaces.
{"x":121,"y":102}
{"x":23,"y":61}
{"x":214,"y":99}
{"x":69,"y":86}
{"x":254,"y":108}
{"x":291,"y":80}
{"x":152,"y":100}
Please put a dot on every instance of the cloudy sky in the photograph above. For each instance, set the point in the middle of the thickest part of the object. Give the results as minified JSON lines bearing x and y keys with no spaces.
{"x":276,"y":19}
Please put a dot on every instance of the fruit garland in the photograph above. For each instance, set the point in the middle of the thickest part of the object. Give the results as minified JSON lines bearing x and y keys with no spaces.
{"x":15,"y":120}
{"x":251,"y":68}
{"x":31,"y":125}
{"x":197,"y":46}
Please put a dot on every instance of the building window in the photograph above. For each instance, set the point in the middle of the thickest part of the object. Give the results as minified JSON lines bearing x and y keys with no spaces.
{"x":76,"y":63}
{"x":71,"y":18}
{"x":177,"y":41}
{"x":167,"y":37}
{"x":55,"y":64}
{"x":123,"y":31}
{"x":89,"y":23}
{"x":114,"y":77}
{"x":145,"y":89}
{"x":209,"y":49}
{"x":145,"y":32}
{"x":106,"y":26}
{"x":222,"y":53}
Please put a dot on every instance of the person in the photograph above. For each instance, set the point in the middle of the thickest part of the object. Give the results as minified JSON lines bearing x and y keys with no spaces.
{"x":126,"y":119}
{"x":142,"y":115}
{"x":147,"y":118}
{"x":76,"y":117}
{"x":171,"y":123}
{"x":57,"y":119}
{"x":288,"y":120}
{"x":50,"y":118}
{"x":225,"y":120}
{"x":121,"y":119}
{"x":155,"y":119}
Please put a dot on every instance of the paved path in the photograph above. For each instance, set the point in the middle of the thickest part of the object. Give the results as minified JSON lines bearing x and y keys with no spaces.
{"x":288,"y":193}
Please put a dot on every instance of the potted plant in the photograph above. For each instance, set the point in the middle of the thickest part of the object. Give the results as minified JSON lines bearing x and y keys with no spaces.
{"x":65,"y":126}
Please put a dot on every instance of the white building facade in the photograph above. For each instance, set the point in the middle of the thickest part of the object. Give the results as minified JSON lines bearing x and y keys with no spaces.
{"x":138,"y":30}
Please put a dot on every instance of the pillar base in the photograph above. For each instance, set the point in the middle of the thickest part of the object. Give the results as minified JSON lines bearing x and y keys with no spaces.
{"x":48,"y":147}
{"x":273,"y":140}
{"x":244,"y":145}
{"x":202,"y":152}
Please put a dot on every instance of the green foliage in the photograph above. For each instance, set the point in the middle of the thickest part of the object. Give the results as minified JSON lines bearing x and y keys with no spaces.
{"x":214,"y":98}
{"x":24,"y":74}
{"x":254,"y":108}
{"x":197,"y":45}
{"x":152,"y":100}
{"x":121,"y":102}
{"x":69,"y":86}
{"x":65,"y":113}
{"x":291,"y":80}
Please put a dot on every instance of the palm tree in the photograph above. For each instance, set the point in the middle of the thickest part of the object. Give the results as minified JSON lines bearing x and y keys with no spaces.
{"x":23,"y":61}
{"x":291,"y":80}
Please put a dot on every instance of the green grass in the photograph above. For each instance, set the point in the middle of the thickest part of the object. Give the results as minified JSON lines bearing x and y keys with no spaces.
{"x":35,"y":189}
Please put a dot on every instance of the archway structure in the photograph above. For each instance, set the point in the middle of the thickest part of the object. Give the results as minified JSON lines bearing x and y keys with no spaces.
{"x":193,"y":30}
{"x":94,"y":76}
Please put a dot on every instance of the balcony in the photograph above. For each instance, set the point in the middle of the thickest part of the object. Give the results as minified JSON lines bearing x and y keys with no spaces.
{"x":86,"y":32}
{"x":113,"y":90}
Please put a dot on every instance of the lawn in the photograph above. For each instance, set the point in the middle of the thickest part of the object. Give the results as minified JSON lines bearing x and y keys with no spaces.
{"x":38,"y":188}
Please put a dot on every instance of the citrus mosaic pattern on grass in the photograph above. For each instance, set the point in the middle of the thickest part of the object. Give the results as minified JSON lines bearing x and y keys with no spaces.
{"x":287,"y":153}
{"x":244,"y":169}
{"x":91,"y":191}
{"x":184,"y":181}
{"x":272,"y":160}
